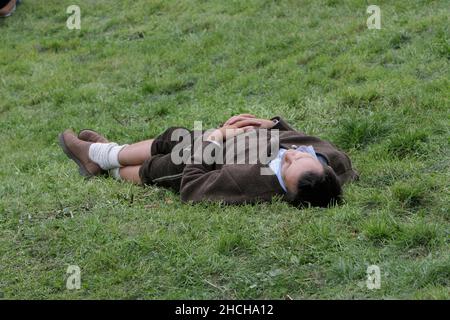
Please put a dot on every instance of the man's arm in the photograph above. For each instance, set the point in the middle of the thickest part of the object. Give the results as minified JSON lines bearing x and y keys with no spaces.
{"x":201,"y":181}
{"x":274,"y":123}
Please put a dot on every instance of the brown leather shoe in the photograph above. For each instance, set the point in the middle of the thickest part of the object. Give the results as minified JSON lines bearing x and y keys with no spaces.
{"x":8,"y":9}
{"x":78,"y":151}
{"x":91,"y":136}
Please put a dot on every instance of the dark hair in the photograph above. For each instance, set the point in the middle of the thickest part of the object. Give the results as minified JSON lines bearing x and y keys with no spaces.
{"x":317,"y":189}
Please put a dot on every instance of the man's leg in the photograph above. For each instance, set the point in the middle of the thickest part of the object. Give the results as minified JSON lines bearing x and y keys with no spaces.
{"x":131,"y":158}
{"x":136,"y":153}
{"x":111,"y":155}
{"x":130,"y":173}
{"x":128,"y":159}
{"x":93,"y":158}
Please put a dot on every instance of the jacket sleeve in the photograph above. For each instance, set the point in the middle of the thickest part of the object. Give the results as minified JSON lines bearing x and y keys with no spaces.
{"x":281,"y":124}
{"x":202,"y":181}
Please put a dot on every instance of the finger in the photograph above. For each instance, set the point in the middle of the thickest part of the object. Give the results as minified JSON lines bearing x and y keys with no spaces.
{"x":231,"y":120}
{"x":234,"y":119}
{"x":240,"y":117}
{"x":248,"y":122}
{"x":248,"y":128}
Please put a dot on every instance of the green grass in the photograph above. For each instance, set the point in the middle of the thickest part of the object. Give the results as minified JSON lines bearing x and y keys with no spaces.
{"x":137,"y":67}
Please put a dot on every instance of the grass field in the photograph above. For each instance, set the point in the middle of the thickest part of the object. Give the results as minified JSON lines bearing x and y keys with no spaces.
{"x":137,"y":67}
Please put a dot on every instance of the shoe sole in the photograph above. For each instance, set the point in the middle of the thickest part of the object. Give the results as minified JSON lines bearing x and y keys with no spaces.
{"x":81,"y":169}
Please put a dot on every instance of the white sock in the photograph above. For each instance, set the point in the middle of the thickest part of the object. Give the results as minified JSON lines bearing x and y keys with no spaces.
{"x":115,"y":173}
{"x":106,"y":155}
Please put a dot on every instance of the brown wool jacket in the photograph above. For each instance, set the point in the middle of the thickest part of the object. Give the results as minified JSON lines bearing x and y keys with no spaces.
{"x":243,"y":183}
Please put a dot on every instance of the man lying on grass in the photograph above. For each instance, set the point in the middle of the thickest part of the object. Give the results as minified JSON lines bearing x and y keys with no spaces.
{"x":302,"y":169}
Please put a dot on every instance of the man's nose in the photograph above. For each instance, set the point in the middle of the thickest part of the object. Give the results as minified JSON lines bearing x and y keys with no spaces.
{"x":290,"y":156}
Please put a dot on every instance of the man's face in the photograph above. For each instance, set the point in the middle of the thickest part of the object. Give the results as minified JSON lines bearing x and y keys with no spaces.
{"x":296,"y":163}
